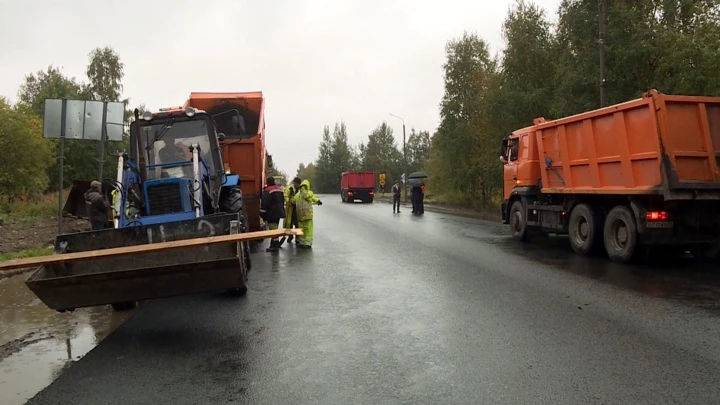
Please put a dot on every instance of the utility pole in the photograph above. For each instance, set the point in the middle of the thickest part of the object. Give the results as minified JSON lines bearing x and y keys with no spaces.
{"x":404,"y":159}
{"x":601,"y":44}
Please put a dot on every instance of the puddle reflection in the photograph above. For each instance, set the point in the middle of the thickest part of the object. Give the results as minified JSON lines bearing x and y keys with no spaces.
{"x":38,"y":343}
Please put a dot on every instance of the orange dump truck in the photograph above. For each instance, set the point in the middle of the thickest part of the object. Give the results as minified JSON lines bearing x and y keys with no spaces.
{"x":240,"y":117}
{"x":639,"y":174}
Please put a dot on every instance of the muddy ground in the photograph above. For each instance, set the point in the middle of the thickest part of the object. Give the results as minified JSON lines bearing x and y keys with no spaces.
{"x":17,"y":235}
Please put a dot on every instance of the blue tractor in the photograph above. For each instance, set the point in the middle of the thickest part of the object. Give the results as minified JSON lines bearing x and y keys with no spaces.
{"x":172,"y":185}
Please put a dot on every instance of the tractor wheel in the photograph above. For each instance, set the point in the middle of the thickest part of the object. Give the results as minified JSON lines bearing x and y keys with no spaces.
{"x":232,"y":201}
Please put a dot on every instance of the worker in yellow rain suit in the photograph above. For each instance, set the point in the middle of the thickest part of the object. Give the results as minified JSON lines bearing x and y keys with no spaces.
{"x":304,"y":200}
{"x":290,"y":219}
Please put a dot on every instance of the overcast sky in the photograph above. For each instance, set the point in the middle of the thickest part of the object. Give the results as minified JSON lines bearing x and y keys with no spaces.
{"x":316,"y":61}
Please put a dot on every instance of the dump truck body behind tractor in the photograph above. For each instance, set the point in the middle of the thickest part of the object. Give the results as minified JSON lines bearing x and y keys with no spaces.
{"x":172,"y":186}
{"x":243,"y":149}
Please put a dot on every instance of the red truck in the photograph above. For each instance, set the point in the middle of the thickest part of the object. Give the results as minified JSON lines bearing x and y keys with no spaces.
{"x":357,"y":185}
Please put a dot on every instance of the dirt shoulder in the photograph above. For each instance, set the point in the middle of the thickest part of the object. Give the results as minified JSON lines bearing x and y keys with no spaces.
{"x":22,"y":235}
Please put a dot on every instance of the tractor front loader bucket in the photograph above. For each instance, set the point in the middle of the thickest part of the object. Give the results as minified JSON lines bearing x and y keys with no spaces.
{"x":140,"y":276}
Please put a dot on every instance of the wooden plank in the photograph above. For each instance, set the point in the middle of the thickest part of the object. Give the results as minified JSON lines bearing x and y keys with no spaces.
{"x":151,"y":247}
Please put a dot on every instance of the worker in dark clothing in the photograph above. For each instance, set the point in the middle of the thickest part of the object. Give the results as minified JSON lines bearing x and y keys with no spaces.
{"x":396,"y":196}
{"x":98,"y":206}
{"x":272,"y":210}
{"x":415,"y":197}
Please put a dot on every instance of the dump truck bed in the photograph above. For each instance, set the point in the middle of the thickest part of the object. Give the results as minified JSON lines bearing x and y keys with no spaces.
{"x":141,"y":276}
{"x":659,"y":143}
{"x":244,"y":153}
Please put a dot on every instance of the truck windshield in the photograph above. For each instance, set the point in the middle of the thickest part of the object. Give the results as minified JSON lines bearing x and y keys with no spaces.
{"x":168,"y":144}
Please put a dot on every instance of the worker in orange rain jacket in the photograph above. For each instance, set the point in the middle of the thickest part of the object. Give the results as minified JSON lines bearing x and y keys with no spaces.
{"x":272,"y":209}
{"x":304,"y":200}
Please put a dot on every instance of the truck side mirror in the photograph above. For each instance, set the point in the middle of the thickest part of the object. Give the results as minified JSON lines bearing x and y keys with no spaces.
{"x":238,"y":123}
{"x":503,"y":150}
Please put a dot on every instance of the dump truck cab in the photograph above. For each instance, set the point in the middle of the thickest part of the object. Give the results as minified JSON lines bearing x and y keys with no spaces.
{"x":521,"y":174}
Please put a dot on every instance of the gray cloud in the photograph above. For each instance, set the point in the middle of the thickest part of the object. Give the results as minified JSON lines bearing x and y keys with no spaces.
{"x":315,"y":61}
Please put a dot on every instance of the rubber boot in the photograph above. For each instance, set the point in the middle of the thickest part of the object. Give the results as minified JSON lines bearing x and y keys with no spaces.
{"x":274,"y":247}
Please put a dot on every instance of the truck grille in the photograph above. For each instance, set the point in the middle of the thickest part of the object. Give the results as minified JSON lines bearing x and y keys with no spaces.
{"x":164,"y":198}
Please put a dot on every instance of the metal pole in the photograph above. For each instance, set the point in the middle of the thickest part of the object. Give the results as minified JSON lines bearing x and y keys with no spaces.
{"x":404,"y":158}
{"x":601,"y":44}
{"x":103,"y":139}
{"x":404,"y":164}
{"x":61,"y":158}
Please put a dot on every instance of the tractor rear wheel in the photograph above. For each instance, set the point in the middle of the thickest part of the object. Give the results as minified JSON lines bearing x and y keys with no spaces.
{"x":232,"y":202}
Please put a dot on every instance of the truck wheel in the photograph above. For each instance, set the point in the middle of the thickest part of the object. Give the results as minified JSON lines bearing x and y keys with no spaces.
{"x":620,"y":234}
{"x":585,"y":229}
{"x":518,"y":225}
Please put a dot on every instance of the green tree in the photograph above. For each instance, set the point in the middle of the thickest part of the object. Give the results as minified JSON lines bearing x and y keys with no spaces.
{"x":342,"y":155}
{"x":522,"y":94}
{"x":307,"y":172}
{"x":326,"y":174}
{"x":50,"y":83}
{"x":418,"y":150}
{"x":462,"y":149}
{"x":105,"y":73}
{"x":23,"y":173}
{"x":381,"y":154}
{"x":80,"y":156}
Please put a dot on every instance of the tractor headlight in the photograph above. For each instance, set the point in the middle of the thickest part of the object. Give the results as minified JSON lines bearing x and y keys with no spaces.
{"x":147,"y":116}
{"x":189,"y":111}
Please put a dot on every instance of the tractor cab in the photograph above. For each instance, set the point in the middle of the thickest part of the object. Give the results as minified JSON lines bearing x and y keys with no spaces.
{"x":174,"y":171}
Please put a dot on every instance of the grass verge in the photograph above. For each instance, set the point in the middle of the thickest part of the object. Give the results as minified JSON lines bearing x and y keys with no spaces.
{"x":43,"y":207}
{"x":34,"y":252}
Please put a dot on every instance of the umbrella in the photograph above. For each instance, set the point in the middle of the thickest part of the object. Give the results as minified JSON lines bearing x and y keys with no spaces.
{"x":417,"y":175}
{"x":414,"y":182}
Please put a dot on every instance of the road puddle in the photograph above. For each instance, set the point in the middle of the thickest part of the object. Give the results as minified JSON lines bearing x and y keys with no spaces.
{"x":38,"y":343}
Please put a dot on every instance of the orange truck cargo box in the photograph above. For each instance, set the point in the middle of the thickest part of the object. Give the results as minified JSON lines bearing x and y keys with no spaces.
{"x":655,"y":158}
{"x":243,"y":151}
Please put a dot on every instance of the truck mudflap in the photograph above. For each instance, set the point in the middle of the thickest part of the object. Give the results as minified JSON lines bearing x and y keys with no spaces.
{"x":142,"y":276}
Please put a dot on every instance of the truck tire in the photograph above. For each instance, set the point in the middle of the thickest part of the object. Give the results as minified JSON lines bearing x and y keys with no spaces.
{"x":620,"y":234}
{"x":518,"y":224}
{"x":585,"y":229}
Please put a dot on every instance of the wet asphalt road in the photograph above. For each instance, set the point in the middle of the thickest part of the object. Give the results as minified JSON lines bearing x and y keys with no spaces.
{"x":395,"y":309}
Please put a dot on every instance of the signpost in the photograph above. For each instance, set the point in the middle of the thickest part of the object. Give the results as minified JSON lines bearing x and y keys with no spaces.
{"x":85,"y":120}
{"x":381,"y":178}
